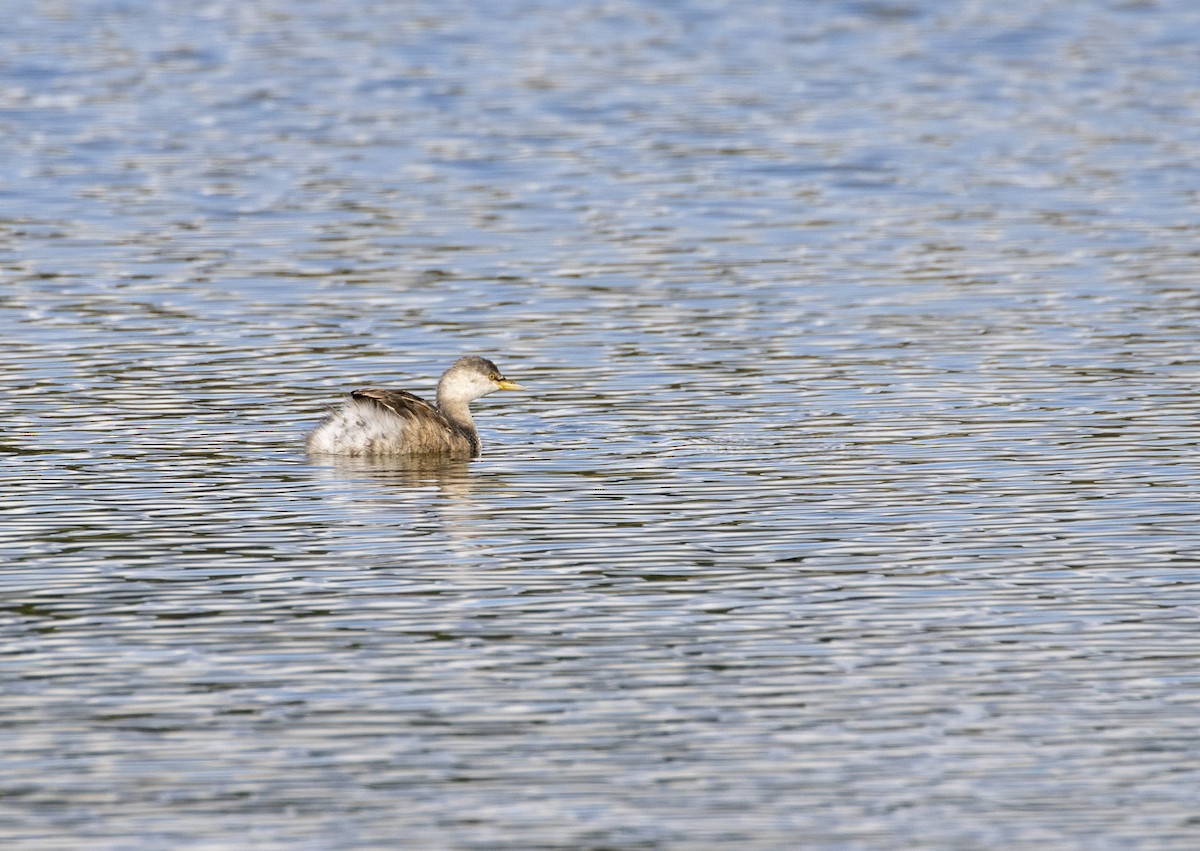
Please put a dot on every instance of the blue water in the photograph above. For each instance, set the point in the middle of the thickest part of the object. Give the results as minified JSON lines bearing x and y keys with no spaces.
{"x":852,"y":504}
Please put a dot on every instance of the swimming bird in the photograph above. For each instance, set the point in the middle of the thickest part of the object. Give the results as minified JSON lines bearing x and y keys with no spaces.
{"x":376,"y":422}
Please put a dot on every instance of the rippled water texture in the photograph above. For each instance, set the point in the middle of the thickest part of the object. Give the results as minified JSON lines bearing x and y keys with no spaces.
{"x":853,"y":503}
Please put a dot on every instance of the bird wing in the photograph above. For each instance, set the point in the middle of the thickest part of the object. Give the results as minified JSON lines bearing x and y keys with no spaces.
{"x":402,"y":404}
{"x":425,"y":428}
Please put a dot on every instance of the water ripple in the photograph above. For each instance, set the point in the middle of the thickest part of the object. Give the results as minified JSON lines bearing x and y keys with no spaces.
{"x":853,"y":497}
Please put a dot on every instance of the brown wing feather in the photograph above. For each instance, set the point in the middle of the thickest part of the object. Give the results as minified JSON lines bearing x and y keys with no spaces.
{"x":402,"y":404}
{"x":426,"y":429}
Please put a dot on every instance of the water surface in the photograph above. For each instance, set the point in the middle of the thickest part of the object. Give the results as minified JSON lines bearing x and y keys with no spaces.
{"x":852,"y":505}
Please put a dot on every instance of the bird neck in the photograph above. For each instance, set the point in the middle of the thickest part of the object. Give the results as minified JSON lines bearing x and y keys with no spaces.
{"x":457,"y":412}
{"x":458,"y":415}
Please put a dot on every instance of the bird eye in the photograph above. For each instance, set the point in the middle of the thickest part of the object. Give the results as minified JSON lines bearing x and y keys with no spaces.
{"x":494,"y":377}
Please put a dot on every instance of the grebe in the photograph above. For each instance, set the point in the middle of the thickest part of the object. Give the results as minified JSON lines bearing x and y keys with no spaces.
{"x":375,"y":422}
